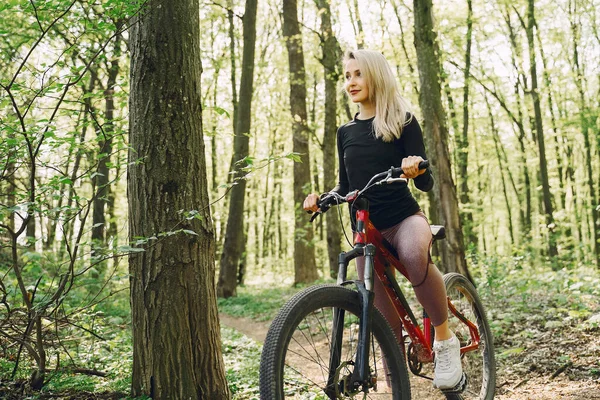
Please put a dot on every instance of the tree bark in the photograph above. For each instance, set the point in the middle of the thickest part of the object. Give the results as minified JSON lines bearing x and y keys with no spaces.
{"x":234,"y":244}
{"x":176,"y":336}
{"x":305,"y":269}
{"x":331,"y":59}
{"x":436,"y":135}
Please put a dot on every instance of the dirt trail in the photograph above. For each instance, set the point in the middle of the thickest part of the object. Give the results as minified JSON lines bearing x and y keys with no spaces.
{"x":513,"y":387}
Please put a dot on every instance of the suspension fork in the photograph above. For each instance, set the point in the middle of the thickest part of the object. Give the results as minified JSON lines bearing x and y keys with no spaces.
{"x":365,"y":291}
{"x":361,"y":371}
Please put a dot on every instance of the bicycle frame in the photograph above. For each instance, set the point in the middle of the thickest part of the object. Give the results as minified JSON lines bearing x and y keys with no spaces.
{"x":380,"y":264}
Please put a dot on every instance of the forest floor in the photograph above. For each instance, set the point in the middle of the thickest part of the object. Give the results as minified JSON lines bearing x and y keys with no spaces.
{"x":560,"y":362}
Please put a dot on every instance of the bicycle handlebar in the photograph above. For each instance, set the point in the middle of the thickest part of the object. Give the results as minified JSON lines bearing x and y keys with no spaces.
{"x":392,"y":175}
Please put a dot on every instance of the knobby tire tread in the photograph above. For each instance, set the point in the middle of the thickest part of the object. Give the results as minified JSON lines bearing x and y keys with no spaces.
{"x":455,"y":279}
{"x":294,"y":311}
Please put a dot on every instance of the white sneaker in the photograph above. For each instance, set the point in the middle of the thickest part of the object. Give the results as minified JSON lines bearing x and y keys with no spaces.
{"x":448,"y":369}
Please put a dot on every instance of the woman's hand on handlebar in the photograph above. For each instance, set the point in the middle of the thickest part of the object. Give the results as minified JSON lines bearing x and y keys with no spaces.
{"x":410,"y":167}
{"x":310,"y":203}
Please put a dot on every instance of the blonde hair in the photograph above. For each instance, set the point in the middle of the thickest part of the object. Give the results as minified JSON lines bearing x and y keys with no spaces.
{"x":390,"y":107}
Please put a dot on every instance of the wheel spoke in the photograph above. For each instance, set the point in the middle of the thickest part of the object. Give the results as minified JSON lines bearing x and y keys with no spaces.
{"x":478,"y":364}
{"x":303,"y":333}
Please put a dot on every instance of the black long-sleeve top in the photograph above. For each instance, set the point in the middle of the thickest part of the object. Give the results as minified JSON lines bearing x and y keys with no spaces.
{"x":362,"y":155}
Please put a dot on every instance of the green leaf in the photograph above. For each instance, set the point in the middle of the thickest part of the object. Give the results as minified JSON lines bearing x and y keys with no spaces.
{"x":222,"y":111}
{"x":295,"y":157}
{"x":129,"y":249}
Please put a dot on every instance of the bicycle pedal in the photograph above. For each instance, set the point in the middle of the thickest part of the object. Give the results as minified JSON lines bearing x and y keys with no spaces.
{"x":459,"y":388}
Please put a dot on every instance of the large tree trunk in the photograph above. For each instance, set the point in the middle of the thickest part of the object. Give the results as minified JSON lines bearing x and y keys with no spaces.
{"x":176,"y":336}
{"x":304,"y":252}
{"x":330,"y":61}
{"x":436,"y":135}
{"x":233,"y":248}
{"x":539,"y":129}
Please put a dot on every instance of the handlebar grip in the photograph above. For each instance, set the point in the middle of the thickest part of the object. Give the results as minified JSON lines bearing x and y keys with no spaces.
{"x":396,"y":172}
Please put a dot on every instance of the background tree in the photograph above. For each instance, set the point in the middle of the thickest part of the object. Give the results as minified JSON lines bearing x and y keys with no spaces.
{"x":331,"y":70}
{"x":174,"y":316}
{"x":304,"y":252}
{"x":233,"y":247}
{"x":539,"y":131}
{"x":436,"y":135}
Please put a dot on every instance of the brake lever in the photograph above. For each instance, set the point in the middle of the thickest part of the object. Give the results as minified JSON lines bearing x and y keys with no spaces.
{"x":314,"y":216}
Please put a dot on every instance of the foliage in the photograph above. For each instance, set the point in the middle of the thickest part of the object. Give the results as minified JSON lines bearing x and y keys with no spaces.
{"x":542,"y":318}
{"x":242,"y":360}
{"x":58,"y":80}
{"x":260,"y":305}
{"x":55,"y":61}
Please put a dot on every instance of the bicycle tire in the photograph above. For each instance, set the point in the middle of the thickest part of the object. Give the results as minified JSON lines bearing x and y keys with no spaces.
{"x":479,"y":365}
{"x":283,"y":373}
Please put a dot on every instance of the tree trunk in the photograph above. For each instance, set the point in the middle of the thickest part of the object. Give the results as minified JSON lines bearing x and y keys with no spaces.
{"x":501,"y":168}
{"x":559,"y":161}
{"x":539,"y":129}
{"x":585,"y":128}
{"x":463,"y":140}
{"x":407,"y":57}
{"x":331,"y":70}
{"x":304,"y":252}
{"x":436,"y":135}
{"x":525,"y":215}
{"x":234,"y":244}
{"x":105,"y":136}
{"x":354,"y":14}
{"x":176,"y":335}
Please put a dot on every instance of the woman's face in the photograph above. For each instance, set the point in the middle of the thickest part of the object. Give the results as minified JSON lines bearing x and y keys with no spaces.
{"x":356,"y":85}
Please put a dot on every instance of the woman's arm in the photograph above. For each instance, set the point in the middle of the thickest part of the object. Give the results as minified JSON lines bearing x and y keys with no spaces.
{"x":412,"y":138}
{"x":343,"y":187}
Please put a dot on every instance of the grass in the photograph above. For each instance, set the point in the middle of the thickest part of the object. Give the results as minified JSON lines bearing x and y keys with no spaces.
{"x":242,"y":360}
{"x":258,"y":303}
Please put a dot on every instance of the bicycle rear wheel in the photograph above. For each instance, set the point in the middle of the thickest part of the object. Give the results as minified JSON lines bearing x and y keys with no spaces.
{"x":479,"y":365}
{"x":295,"y":358}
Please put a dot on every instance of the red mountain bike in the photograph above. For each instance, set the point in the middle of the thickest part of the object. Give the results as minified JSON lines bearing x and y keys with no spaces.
{"x":329,"y":342}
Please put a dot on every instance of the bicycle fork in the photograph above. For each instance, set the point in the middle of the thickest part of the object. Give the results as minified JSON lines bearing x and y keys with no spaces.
{"x":360,"y":374}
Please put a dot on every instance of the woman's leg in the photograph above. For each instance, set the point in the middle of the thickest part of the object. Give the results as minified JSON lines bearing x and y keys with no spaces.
{"x":412,"y":238}
{"x":412,"y":241}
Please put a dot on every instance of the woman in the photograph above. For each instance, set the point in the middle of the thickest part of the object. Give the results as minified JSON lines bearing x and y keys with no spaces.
{"x":384,"y":134}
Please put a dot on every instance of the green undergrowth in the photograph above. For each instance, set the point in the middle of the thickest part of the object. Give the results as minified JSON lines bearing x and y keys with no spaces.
{"x":242,"y":361}
{"x":521,"y":295}
{"x":257,"y":302}
{"x":544,"y":319}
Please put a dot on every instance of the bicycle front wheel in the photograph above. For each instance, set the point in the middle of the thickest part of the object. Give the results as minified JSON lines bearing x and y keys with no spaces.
{"x":295,"y":362}
{"x":479,"y":364}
